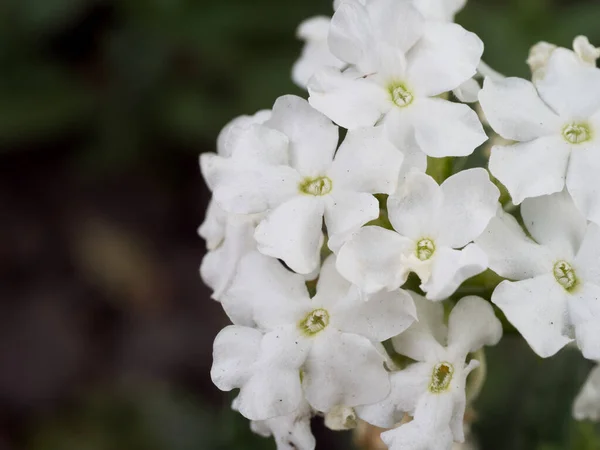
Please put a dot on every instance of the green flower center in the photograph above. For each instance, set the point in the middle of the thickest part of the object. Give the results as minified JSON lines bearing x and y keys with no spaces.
{"x":565,"y":275}
{"x":441,"y":377}
{"x":400,"y":94}
{"x":315,"y":322}
{"x":425,"y":249}
{"x":576,"y":133}
{"x":316,"y":186}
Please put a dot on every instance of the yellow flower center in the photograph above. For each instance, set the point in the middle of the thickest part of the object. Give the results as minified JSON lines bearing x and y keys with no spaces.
{"x":441,"y":377}
{"x":315,"y":322}
{"x":400,"y":94}
{"x":425,"y":249}
{"x":576,"y":133}
{"x":565,"y":275}
{"x":316,"y":186}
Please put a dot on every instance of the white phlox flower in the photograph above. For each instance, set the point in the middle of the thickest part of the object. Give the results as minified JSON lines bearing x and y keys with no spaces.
{"x":398,"y":64}
{"x":540,"y":53}
{"x":553,"y":299}
{"x":315,"y":52}
{"x":291,"y":432}
{"x":558,"y":135}
{"x":320,"y":350}
{"x":433,"y":227}
{"x":286,"y":168}
{"x":587,"y":403}
{"x":432,"y":390}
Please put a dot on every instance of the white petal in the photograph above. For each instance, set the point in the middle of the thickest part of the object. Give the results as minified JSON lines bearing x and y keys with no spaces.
{"x":569,"y":86}
{"x":350,"y":33}
{"x":292,"y":232}
{"x":265,"y":294}
{"x":312,"y":137}
{"x":315,"y":56}
{"x":538,"y":309}
{"x":510,"y":252}
{"x":470,"y":202}
{"x":404,"y":141}
{"x":291,"y":432}
{"x":235,"y":350}
{"x":587,"y":262}
{"x":531,"y":169}
{"x":584,"y":309}
{"x":385,"y":315}
{"x":212,"y":229}
{"x":424,"y":339}
{"x":371,"y":259}
{"x":587,"y":403}
{"x":274,"y":388}
{"x":407,"y":386}
{"x":472,"y":324}
{"x":429,"y":430}
{"x":397,"y":23}
{"x":332,"y":378}
{"x":468,"y":92}
{"x":451,"y":267}
{"x":331,"y":286}
{"x":367,"y":162}
{"x":445,"y":57}
{"x":348,"y":99}
{"x":262,"y":144}
{"x":414,"y":209}
{"x":583,"y":182}
{"x":232,"y":132}
{"x":443,"y":128}
{"x":515,"y":111}
{"x":554,"y":221}
{"x":345,"y":213}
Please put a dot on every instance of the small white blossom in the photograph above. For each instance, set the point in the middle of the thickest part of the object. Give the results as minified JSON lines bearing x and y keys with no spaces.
{"x":556,"y":124}
{"x":433,"y":226}
{"x":318,"y":349}
{"x":396,"y":72}
{"x":432,"y":390}
{"x":540,"y":54}
{"x":554,"y":299}
{"x":287,"y":169}
{"x":291,"y":432}
{"x":587,"y":403}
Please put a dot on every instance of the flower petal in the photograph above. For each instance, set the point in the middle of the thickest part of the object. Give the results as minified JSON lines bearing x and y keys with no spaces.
{"x":538,"y":309}
{"x":468,"y":92}
{"x":370,"y":259}
{"x":385,"y":315}
{"x":292,"y":232}
{"x":312,"y":137}
{"x":583,"y":182}
{"x":350,"y":32}
{"x":367,"y":162}
{"x":470,"y":202}
{"x":584,"y":310}
{"x":332,"y":378}
{"x":263,"y":293}
{"x":587,"y":403}
{"x":443,"y":128}
{"x":445,"y":57}
{"x":515,"y":111}
{"x":274,"y":389}
{"x":347,"y":98}
{"x":291,"y":432}
{"x":511,"y":253}
{"x":531,"y":169}
{"x":235,"y":350}
{"x":345,"y":213}
{"x":407,"y":386}
{"x":554,"y":221}
{"x":414,"y":209}
{"x":397,"y":23}
{"x":587,"y":262}
{"x":569,"y":86}
{"x":472,"y":324}
{"x":451,"y":267}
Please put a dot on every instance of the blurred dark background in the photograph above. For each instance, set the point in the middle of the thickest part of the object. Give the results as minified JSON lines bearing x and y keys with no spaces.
{"x":105,"y":327}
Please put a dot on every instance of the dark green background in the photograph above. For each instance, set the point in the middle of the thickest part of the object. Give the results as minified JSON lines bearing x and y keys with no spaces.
{"x":105,"y":328}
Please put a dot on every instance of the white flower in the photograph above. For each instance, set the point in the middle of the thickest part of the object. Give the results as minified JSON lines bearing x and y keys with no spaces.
{"x":399,"y":63}
{"x":540,"y":54}
{"x":228,"y":238}
{"x":555,"y":296}
{"x":432,"y":390}
{"x":432,"y":225}
{"x":318,"y":349}
{"x":557,"y":126}
{"x":287,"y":167}
{"x":587,"y":403}
{"x":291,"y":432}
{"x":442,"y":10}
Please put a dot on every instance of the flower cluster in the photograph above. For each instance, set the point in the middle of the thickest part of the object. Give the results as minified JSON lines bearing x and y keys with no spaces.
{"x":347,"y":268}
